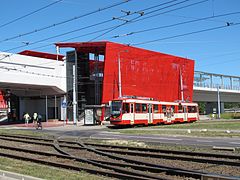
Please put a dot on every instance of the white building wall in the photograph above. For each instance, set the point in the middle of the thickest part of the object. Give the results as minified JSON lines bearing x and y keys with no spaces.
{"x":21,"y":69}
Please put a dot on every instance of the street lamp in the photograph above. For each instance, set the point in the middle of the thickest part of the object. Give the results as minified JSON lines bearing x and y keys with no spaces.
{"x":119,"y":73}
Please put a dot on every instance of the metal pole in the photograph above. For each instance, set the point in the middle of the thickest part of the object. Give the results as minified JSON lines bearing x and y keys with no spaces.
{"x":219,"y":111}
{"x":181,"y":84}
{"x":65,"y":110}
{"x":74,"y":97}
{"x":57,"y":51}
{"x":96,"y":82}
{"x":46,"y":109}
{"x":119,"y":76}
{"x":55,"y":105}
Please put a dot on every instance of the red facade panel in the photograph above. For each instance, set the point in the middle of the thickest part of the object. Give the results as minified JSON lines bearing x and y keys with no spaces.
{"x":146,"y":73}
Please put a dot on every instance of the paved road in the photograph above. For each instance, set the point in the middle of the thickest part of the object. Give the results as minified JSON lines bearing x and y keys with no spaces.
{"x":100,"y":132}
{"x":196,"y":141}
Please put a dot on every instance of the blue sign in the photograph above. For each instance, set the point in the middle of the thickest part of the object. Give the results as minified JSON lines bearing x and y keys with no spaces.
{"x":64,"y":104}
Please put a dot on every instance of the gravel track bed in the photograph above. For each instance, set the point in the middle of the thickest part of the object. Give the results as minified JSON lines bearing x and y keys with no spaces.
{"x":28,"y":146}
{"x":89,"y":155}
{"x":93,"y":156}
{"x":166,"y":147}
{"x":176,"y":155}
{"x":77,"y":153}
{"x":211,"y":168}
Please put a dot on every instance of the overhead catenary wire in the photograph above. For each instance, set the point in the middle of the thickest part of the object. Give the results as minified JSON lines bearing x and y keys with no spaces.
{"x":185,"y":34}
{"x":150,"y":29}
{"x":115,"y":27}
{"x":29,"y":14}
{"x":66,"y":21}
{"x":176,"y":24}
{"x":96,"y":24}
{"x":135,"y":19}
{"x":100,"y":23}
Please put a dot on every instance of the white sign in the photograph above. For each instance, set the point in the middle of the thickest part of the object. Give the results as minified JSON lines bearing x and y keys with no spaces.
{"x":88,"y":118}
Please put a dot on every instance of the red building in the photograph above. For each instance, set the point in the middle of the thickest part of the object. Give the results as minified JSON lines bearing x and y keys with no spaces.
{"x":143,"y":73}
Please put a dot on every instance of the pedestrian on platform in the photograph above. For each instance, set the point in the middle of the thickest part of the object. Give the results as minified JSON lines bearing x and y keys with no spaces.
{"x":35,"y":119}
{"x":26,"y":118}
{"x":39,"y":122}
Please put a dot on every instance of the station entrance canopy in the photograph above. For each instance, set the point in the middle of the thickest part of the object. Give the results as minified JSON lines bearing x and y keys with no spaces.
{"x":143,"y":73}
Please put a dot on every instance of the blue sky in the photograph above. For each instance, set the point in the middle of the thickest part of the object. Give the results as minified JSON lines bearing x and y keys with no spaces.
{"x":215,"y":51}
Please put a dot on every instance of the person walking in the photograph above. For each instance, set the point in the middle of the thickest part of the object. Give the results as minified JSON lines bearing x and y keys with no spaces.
{"x":39,"y":122}
{"x":26,"y":118}
{"x":35,"y":119}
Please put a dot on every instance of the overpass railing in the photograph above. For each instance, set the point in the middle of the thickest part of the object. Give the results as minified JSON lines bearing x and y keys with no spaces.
{"x":211,"y":80}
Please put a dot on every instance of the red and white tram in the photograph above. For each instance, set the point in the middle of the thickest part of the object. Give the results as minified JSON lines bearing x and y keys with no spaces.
{"x":133,"y":111}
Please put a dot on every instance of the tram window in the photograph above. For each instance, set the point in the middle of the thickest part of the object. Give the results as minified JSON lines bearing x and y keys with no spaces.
{"x":180,"y":108}
{"x":144,"y":107}
{"x":155,"y":108}
{"x":184,"y":109}
{"x":192,"y":109}
{"x":125,"y":107}
{"x":172,"y":108}
{"x":164,"y":108}
{"x":137,"y":108}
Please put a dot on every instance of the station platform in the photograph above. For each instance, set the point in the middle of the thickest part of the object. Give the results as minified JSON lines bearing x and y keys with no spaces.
{"x":50,"y":124}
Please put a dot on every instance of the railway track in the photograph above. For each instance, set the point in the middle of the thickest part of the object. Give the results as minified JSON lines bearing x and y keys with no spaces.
{"x":232,"y":160}
{"x":116,"y":165}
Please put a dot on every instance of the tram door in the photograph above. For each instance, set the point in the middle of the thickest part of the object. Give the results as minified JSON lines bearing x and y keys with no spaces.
{"x":150,"y":114}
{"x":132,"y":117}
{"x":185,"y":112}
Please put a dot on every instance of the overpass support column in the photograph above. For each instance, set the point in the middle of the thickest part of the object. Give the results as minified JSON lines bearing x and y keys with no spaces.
{"x":46,"y":108}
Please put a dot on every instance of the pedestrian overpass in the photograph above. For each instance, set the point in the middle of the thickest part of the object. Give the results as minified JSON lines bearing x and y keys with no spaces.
{"x":207,"y":86}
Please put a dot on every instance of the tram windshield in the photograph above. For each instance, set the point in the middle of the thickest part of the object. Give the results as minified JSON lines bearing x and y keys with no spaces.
{"x":116,"y":108}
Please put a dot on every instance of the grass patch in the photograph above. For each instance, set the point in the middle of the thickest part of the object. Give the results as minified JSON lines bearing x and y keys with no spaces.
{"x":209,"y":125}
{"x":235,"y":115}
{"x":180,"y":132}
{"x":42,"y":171}
{"x":24,"y":132}
{"x":211,"y":129}
{"x":124,"y":143}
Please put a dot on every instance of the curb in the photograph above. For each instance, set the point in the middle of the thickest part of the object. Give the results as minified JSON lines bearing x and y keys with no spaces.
{"x":15,"y":176}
